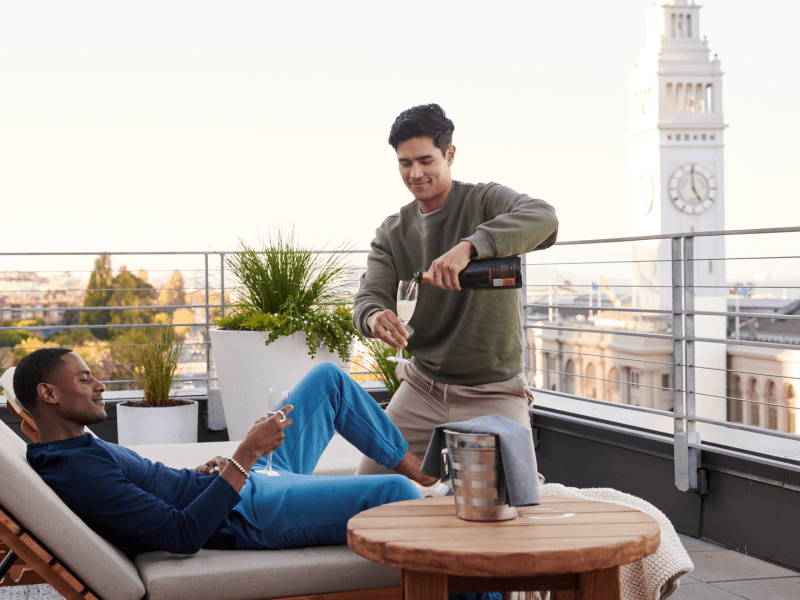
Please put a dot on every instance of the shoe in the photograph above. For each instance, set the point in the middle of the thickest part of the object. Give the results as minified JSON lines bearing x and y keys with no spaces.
{"x":438,"y":490}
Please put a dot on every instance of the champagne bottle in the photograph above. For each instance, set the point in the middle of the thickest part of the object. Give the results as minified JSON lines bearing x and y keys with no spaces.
{"x":486,"y":274}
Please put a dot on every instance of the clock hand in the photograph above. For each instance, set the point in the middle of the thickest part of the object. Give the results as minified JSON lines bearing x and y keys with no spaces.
{"x":696,"y":195}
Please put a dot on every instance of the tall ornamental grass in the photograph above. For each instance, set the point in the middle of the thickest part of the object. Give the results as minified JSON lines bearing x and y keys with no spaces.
{"x":155,"y":366}
{"x":284,"y":288}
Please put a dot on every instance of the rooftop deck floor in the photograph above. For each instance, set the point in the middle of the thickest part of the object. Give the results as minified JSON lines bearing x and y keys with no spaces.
{"x":720,"y":574}
{"x":724,"y":574}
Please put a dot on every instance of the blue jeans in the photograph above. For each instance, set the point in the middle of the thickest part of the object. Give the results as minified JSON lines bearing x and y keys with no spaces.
{"x":299,"y":509}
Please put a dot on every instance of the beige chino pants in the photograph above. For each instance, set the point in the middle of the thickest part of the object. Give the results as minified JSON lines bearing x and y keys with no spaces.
{"x":420,"y":404}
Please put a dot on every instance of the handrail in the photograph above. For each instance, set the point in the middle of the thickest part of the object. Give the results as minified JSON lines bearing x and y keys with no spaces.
{"x":675,"y":333}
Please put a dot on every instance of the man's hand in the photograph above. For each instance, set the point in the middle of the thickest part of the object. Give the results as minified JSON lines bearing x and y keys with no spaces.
{"x":262,"y":438}
{"x":444,"y":270}
{"x":215,"y":465}
{"x":386,"y":326}
{"x":266,"y":434}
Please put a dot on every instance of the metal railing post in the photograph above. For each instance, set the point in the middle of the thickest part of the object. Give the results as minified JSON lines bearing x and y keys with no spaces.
{"x":207,"y":325}
{"x":526,"y":357}
{"x":687,"y":460}
{"x":222,"y":284}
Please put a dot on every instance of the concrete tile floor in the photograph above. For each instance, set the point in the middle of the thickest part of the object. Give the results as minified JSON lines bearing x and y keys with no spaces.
{"x":723,"y":574}
{"x":719,"y":574}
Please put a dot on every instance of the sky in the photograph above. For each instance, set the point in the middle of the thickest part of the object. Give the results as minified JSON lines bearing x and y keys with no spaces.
{"x":189,"y":125}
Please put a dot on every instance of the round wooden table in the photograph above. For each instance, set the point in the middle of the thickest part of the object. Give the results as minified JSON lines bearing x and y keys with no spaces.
{"x":571,"y":546}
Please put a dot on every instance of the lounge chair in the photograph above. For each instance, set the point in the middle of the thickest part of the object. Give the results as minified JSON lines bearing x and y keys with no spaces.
{"x":40,"y":529}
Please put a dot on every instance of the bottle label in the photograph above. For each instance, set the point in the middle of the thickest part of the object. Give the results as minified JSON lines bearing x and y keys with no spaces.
{"x":492,"y":274}
{"x":503,"y":282}
{"x":503,"y":275}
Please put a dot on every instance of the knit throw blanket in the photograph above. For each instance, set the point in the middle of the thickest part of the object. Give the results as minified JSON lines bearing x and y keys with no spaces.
{"x":654,"y":577}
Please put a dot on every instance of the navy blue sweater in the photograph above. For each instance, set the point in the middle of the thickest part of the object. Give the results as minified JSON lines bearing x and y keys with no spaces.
{"x":135,"y":504}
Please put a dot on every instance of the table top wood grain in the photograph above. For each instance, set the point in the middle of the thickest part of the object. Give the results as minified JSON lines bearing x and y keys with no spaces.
{"x":426,"y":536}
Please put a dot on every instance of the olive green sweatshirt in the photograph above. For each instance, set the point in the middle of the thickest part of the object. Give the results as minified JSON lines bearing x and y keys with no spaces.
{"x":469,"y":337}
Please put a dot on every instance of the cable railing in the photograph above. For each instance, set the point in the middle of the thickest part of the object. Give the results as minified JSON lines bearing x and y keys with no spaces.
{"x":662,"y":332}
{"x":35,"y":311}
{"x":662,"y":325}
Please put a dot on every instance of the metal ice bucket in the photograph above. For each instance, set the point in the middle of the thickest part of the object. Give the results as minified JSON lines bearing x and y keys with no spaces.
{"x":473,"y":463}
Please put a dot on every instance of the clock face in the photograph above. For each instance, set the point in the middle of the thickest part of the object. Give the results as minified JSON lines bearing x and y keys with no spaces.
{"x":646,"y":192}
{"x":692,"y":189}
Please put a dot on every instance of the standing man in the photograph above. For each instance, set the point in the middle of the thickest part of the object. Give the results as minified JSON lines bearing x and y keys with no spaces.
{"x":467,"y":345}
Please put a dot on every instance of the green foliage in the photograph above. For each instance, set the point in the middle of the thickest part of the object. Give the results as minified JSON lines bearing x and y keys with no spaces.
{"x":98,"y":293}
{"x":9,"y":339}
{"x":332,"y":328}
{"x":130,"y":290}
{"x":124,"y":289}
{"x":154,"y":367}
{"x":173,"y":293}
{"x":377,"y":363}
{"x":285,"y":288}
{"x":69,"y":338}
{"x":37,"y":322}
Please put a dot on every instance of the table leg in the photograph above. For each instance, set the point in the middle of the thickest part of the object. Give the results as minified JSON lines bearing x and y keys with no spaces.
{"x":603,"y":584}
{"x":424,"y":586}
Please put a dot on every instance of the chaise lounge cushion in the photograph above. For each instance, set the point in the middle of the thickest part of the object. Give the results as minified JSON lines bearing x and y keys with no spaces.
{"x":245,"y":574}
{"x":339,"y":458}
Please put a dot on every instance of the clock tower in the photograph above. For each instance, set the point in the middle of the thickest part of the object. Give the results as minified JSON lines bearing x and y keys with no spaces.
{"x":676,"y":145}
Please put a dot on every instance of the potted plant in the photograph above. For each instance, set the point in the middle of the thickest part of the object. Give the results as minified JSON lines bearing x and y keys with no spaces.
{"x":375,"y":360}
{"x":291,"y":312}
{"x":159,"y":418}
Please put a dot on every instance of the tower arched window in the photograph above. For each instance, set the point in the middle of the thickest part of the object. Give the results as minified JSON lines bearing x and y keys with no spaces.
{"x":680,"y":25}
{"x":688,"y":25}
{"x":670,"y":97}
{"x":752,"y":395}
{"x":679,"y":98}
{"x":791,"y":402}
{"x":709,"y":98}
{"x":689,"y":98}
{"x":735,"y":414}
{"x":569,"y":383}
{"x":674,"y":32}
{"x":613,"y":383}
{"x":701,"y":102}
{"x":591,"y":381}
{"x":772,"y":408}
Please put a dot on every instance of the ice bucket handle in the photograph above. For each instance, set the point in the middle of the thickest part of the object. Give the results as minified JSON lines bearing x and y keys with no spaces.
{"x":444,"y":468}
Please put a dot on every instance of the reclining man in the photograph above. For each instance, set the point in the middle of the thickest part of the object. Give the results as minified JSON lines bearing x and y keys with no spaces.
{"x":138,"y":505}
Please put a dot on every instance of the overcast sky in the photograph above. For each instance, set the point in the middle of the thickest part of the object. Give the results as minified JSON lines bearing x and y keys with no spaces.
{"x":188,"y":125}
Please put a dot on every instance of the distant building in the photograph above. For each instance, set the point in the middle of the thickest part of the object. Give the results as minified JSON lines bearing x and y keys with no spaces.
{"x":28,"y":295}
{"x":676,"y":186}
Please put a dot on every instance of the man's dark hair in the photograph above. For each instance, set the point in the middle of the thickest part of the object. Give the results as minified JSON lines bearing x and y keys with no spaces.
{"x":426,"y":119}
{"x":38,"y":367}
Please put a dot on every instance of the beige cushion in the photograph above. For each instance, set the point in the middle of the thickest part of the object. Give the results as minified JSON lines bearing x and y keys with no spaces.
{"x":244,"y":574}
{"x":23,"y":493}
{"x":339,"y":458}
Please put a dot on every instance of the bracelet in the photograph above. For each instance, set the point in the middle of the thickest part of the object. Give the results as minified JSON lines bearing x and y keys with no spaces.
{"x":240,"y":467}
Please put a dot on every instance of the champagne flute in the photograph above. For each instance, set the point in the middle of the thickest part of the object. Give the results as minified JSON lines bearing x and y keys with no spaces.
{"x":268,"y":470}
{"x":406,"y":303}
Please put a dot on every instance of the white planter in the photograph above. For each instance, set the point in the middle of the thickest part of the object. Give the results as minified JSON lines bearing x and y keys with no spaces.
{"x":247,"y":368}
{"x":157,"y":425}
